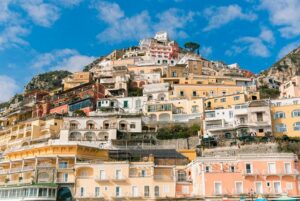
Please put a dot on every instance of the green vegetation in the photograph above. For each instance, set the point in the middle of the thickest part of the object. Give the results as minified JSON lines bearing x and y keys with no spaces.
{"x":192,"y":47}
{"x":266,"y":92}
{"x":289,"y":144}
{"x":47,"y":81}
{"x":15,"y":98}
{"x":134,"y":90}
{"x":177,"y":131}
{"x":79,"y":113}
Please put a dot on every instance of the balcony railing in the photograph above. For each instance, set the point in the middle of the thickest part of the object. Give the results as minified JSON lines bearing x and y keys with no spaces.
{"x":164,"y":177}
{"x":65,"y":180}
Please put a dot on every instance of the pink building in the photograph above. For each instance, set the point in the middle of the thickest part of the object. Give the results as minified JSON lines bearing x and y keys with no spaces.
{"x":268,"y":175}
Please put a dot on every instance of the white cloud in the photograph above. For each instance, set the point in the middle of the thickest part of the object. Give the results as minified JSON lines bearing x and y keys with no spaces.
{"x":63,"y":59}
{"x":219,"y":16}
{"x":173,"y":20}
{"x":12,"y":36}
{"x":42,"y":14}
{"x":8,"y":88}
{"x":288,"y":48}
{"x":206,"y":51}
{"x":121,"y":28}
{"x":68,"y":3}
{"x":285,"y":14}
{"x":256,"y":46}
{"x":5,"y":13}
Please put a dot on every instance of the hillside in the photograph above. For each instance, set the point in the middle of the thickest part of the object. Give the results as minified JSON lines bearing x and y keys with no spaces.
{"x":47,"y":81}
{"x":285,"y":68}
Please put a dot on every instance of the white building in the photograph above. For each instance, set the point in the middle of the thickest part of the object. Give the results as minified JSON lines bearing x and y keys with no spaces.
{"x":159,"y":91}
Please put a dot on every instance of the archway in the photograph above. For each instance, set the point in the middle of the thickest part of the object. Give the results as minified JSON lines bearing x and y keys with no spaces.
{"x":64,"y":194}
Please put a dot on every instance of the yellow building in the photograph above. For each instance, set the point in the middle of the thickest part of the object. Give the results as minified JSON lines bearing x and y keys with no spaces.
{"x":23,"y":133}
{"x":191,"y":91}
{"x":226,"y":101}
{"x":286,"y":117}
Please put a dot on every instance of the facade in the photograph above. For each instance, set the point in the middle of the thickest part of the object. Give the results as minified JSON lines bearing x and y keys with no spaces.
{"x":290,"y":89}
{"x":77,"y":79}
{"x":286,"y":117}
{"x":268,"y":175}
{"x":249,"y":119}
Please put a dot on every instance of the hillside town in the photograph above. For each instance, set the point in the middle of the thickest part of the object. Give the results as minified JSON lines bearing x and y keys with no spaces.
{"x":153,"y":122}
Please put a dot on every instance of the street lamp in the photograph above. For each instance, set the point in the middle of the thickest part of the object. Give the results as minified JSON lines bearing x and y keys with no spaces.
{"x":251,"y":194}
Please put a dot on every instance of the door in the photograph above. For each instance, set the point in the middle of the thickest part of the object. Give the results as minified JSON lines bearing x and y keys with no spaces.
{"x":239,"y":187}
{"x":258,"y":188}
{"x":134,"y":191}
{"x":287,"y":168}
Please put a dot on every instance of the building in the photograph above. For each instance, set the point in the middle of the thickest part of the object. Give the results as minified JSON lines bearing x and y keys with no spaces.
{"x":77,"y":79}
{"x":291,"y":88}
{"x":234,"y":176}
{"x":286,"y":117}
{"x":227,"y":101}
{"x":248,"y":119}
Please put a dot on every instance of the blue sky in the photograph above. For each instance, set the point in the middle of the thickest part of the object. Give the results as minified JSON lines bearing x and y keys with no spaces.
{"x":41,"y":35}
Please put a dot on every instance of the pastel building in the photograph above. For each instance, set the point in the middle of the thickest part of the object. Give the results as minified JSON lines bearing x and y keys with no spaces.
{"x":286,"y":117}
{"x":245,"y":119}
{"x":291,"y":88}
{"x":268,"y":175}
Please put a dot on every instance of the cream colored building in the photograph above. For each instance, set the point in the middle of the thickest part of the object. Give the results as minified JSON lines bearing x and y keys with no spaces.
{"x":291,"y":88}
{"x":77,"y":79}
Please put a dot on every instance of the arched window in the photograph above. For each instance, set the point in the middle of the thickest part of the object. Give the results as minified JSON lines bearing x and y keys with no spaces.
{"x":156,"y":191}
{"x":297,"y":126}
{"x":75,"y":136}
{"x":280,"y":127}
{"x":89,"y":136}
{"x":296,"y":113}
{"x":279,"y":115}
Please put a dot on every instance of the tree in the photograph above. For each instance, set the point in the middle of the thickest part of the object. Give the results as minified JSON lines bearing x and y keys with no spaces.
{"x":192,"y":47}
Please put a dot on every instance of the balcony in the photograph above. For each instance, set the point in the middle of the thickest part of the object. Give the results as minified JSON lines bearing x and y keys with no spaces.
{"x":28,"y":168}
{"x":15,"y":170}
{"x":119,"y":178}
{"x":65,"y":180}
{"x":163,"y":177}
{"x":4,"y":172}
{"x":251,"y":173}
{"x":104,"y":179}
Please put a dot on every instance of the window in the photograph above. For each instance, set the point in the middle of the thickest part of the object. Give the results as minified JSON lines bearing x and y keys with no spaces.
{"x":280,"y":127}
{"x":132,"y":125}
{"x":194,"y":108}
{"x":258,"y":188}
{"x":236,"y":98}
{"x":143,"y":173}
{"x":118,"y":174}
{"x":125,"y":104}
{"x":279,"y":115}
{"x":194,"y":93}
{"x":287,"y":168}
{"x":63,"y":164}
{"x":289,"y":186}
{"x":261,"y":130}
{"x":207,"y":168}
{"x":181,"y":93}
{"x":272,"y":168}
{"x":232,"y":168}
{"x":166,"y":189}
{"x":102,"y":175}
{"x":97,"y":191}
{"x":223,"y":100}
{"x":118,"y":191}
{"x":296,"y":126}
{"x":248,"y":168}
{"x":174,"y":74}
{"x":238,"y":187}
{"x":81,"y":191}
{"x":296,"y":113}
{"x":65,"y":177}
{"x":218,"y":188}
{"x":277,"y":186}
{"x":259,"y":116}
{"x":181,"y":176}
{"x":156,"y":191}
{"x":223,"y":93}
{"x":185,"y":189}
{"x":135,"y":192}
{"x":146,"y":191}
